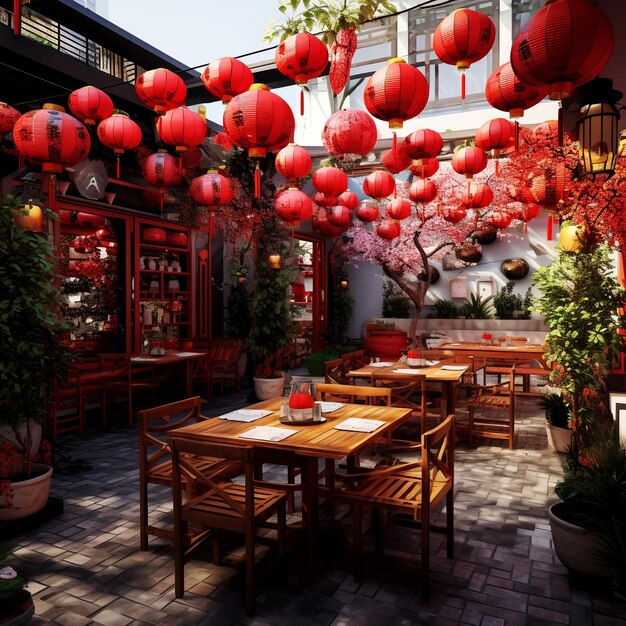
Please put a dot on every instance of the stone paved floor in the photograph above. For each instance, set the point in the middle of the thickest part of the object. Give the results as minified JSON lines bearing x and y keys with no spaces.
{"x":85,"y":566}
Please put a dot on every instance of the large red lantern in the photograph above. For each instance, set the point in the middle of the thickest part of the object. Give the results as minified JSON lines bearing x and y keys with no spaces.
{"x":379,"y":185}
{"x":548,"y":190}
{"x":8,"y":117}
{"x":506,"y":92}
{"x":367,"y":212}
{"x":293,"y":205}
{"x":259,"y":120}
{"x":462,"y":38}
{"x":51,"y":137}
{"x":499,"y":219}
{"x":469,"y":161}
{"x":300,"y":57}
{"x":399,"y":209}
{"x":496,"y":135}
{"x":395,"y":161}
{"x":422,"y":144}
{"x":325,"y":199}
{"x":349,"y":131}
{"x":293,"y":161}
{"x":348,"y":199}
{"x":120,"y":133}
{"x":211,"y":190}
{"x":388,"y":229}
{"x":422,"y":190}
{"x":565,"y":44}
{"x":477,"y":195}
{"x":339,"y":215}
{"x":90,"y":104}
{"x":322,"y":226}
{"x":161,"y":170}
{"x":330,"y":180}
{"x":455,"y":215}
{"x":181,"y":127}
{"x":227,"y":77}
{"x":161,"y":90}
{"x":424,"y":167}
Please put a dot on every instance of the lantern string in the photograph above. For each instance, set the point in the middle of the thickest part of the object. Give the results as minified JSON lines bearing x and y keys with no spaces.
{"x":257,"y":181}
{"x":301,"y":101}
{"x":117,"y":167}
{"x":516,"y":135}
{"x":560,"y":126}
{"x":394,"y":144}
{"x":462,"y":85}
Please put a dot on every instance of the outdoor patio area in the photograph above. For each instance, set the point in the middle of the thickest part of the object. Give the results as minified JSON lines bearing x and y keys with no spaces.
{"x":85,"y":566}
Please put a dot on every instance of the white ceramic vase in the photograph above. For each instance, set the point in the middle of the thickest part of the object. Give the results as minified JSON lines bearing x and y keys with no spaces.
{"x":266,"y":388}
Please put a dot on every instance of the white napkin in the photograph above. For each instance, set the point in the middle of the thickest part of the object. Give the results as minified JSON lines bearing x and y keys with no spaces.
{"x":187,"y":353}
{"x":142,"y":359}
{"x":329,"y":407}
{"x":359,"y":425}
{"x":405,"y":370}
{"x":268,"y":433}
{"x":454,"y":368}
{"x":380,"y":364}
{"x":245,"y":415}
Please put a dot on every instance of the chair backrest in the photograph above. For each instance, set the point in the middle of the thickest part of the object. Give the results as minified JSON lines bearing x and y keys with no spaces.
{"x":404,"y":394}
{"x":354,"y":394}
{"x":355,"y":359}
{"x":437,"y":463}
{"x":334,"y":371}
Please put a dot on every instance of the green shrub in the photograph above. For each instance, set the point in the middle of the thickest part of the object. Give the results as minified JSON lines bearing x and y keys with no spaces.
{"x":395,"y":302}
{"x":445,"y":310}
{"x":512,"y":306}
{"x":477,"y":308}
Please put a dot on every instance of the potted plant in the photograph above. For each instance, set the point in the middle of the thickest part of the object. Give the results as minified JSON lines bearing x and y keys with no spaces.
{"x":477,"y":307}
{"x":32,"y":356}
{"x":511,"y":306}
{"x":16,"y":603}
{"x":384,"y":340}
{"x":395,"y":303}
{"x":557,"y":412}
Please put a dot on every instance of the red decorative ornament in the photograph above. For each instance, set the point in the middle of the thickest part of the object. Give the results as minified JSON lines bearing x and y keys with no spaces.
{"x":181,"y":127}
{"x":51,"y":137}
{"x":455,"y":215}
{"x":422,"y":144}
{"x":330,"y":180}
{"x":293,"y":205}
{"x":565,"y":44}
{"x":339,"y":215}
{"x":499,"y":219}
{"x":379,"y":185}
{"x":8,"y":117}
{"x":90,"y":104}
{"x":546,"y":128}
{"x":120,"y":133}
{"x":367,"y":212}
{"x":530,"y":212}
{"x":469,"y":161}
{"x":161,"y":90}
{"x":348,"y":199}
{"x":424,"y":167}
{"x":325,"y":199}
{"x":399,"y":209}
{"x":223,"y":141}
{"x":548,"y":190}
{"x":395,"y":161}
{"x":506,"y":92}
{"x":349,"y":131}
{"x":462,"y":38}
{"x":161,"y":170}
{"x":227,"y":77}
{"x":422,"y":190}
{"x":477,"y":195}
{"x":293,"y":161}
{"x":388,"y":229}
{"x":496,"y":135}
{"x":322,"y":226}
{"x":212,"y":190}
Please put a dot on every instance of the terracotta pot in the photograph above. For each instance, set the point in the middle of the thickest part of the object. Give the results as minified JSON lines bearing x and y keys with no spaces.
{"x":558,"y":438}
{"x":266,"y":388}
{"x":387,"y":344}
{"x":154,"y":235}
{"x":30,"y":495}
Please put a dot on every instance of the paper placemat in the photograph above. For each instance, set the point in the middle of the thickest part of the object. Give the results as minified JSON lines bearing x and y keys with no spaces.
{"x":329,"y":407}
{"x":245,"y":415}
{"x":268,"y":433}
{"x":380,"y":364}
{"x":454,"y":368}
{"x":359,"y":425}
{"x":406,"y":370}
{"x":187,"y":353}
{"x":142,"y":359}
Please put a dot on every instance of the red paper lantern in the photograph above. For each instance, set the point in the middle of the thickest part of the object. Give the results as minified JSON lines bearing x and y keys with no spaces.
{"x":181,"y":127}
{"x":211,"y":189}
{"x":322,"y":226}
{"x":51,"y":137}
{"x":395,"y":161}
{"x":379,"y":185}
{"x":530,"y":212}
{"x":546,"y":128}
{"x":462,"y":38}
{"x":499,"y":219}
{"x":293,"y":161}
{"x":161,"y":170}
{"x":477,"y":195}
{"x":90,"y":104}
{"x":367,"y":212}
{"x":325,"y":199}
{"x":161,"y":90}
{"x":8,"y":117}
{"x":422,"y":190}
{"x":339,"y":215}
{"x":293,"y":205}
{"x":399,"y":209}
{"x":422,"y":144}
{"x":565,"y":44}
{"x":349,"y":131}
{"x":547,"y":190}
{"x":506,"y":92}
{"x":119,"y":133}
{"x":227,"y":77}
{"x":424,"y":167}
{"x":469,"y":161}
{"x":388,"y":229}
{"x":348,"y":199}
{"x":330,"y":180}
{"x":496,"y":134}
{"x":455,"y":215}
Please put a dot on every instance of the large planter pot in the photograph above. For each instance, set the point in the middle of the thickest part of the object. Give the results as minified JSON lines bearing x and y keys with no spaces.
{"x":387,"y":344}
{"x":266,"y":388}
{"x":575,"y":546}
{"x":558,"y":438}
{"x":7,"y":434}
{"x":30,"y":495}
{"x":18,"y":610}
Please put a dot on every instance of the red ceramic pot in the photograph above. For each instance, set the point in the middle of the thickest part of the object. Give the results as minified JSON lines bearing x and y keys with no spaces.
{"x":154,"y":235}
{"x":176,"y":239}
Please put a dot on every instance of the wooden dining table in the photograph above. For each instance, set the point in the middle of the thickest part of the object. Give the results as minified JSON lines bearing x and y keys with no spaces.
{"x":521,"y":351}
{"x":305,"y":445}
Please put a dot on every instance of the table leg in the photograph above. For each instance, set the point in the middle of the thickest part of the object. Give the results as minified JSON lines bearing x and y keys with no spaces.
{"x":310,"y":502}
{"x":449,"y":393}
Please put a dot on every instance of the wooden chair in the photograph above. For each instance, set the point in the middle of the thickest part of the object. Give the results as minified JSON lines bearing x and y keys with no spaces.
{"x":492,"y":411}
{"x":155,"y":462}
{"x":353,"y":394}
{"x":220,"y":505}
{"x":415,"y":489}
{"x":221,"y":366}
{"x":335,"y":371}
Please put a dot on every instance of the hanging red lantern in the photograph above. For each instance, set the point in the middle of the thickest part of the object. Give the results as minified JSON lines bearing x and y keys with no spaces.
{"x":547,"y":190}
{"x":293,"y":161}
{"x":496,"y":134}
{"x":301,"y":57}
{"x":394,"y":161}
{"x":227,"y":77}
{"x":388,"y":229}
{"x":348,"y":199}
{"x":293,"y":205}
{"x":259,"y":120}
{"x":322,"y":226}
{"x":181,"y":127}
{"x":212,"y":190}
{"x":422,"y":190}
{"x":349,"y":131}
{"x":379,"y":185}
{"x":90,"y":104}
{"x":120,"y":133}
{"x":455,"y":215}
{"x":339,"y":215}
{"x":499,"y":219}
{"x":161,"y":90}
{"x":367,"y":212}
{"x":469,"y":161}
{"x":325,"y":199}
{"x":477,"y":195}
{"x":161,"y":170}
{"x":565,"y":44}
{"x":330,"y":180}
{"x":530,"y":212}
{"x":462,"y":38}
{"x":506,"y":92}
{"x":8,"y":117}
{"x":547,"y":128}
{"x":424,"y":167}
{"x":422,"y":144}
{"x":399,"y":209}
{"x":51,"y":137}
